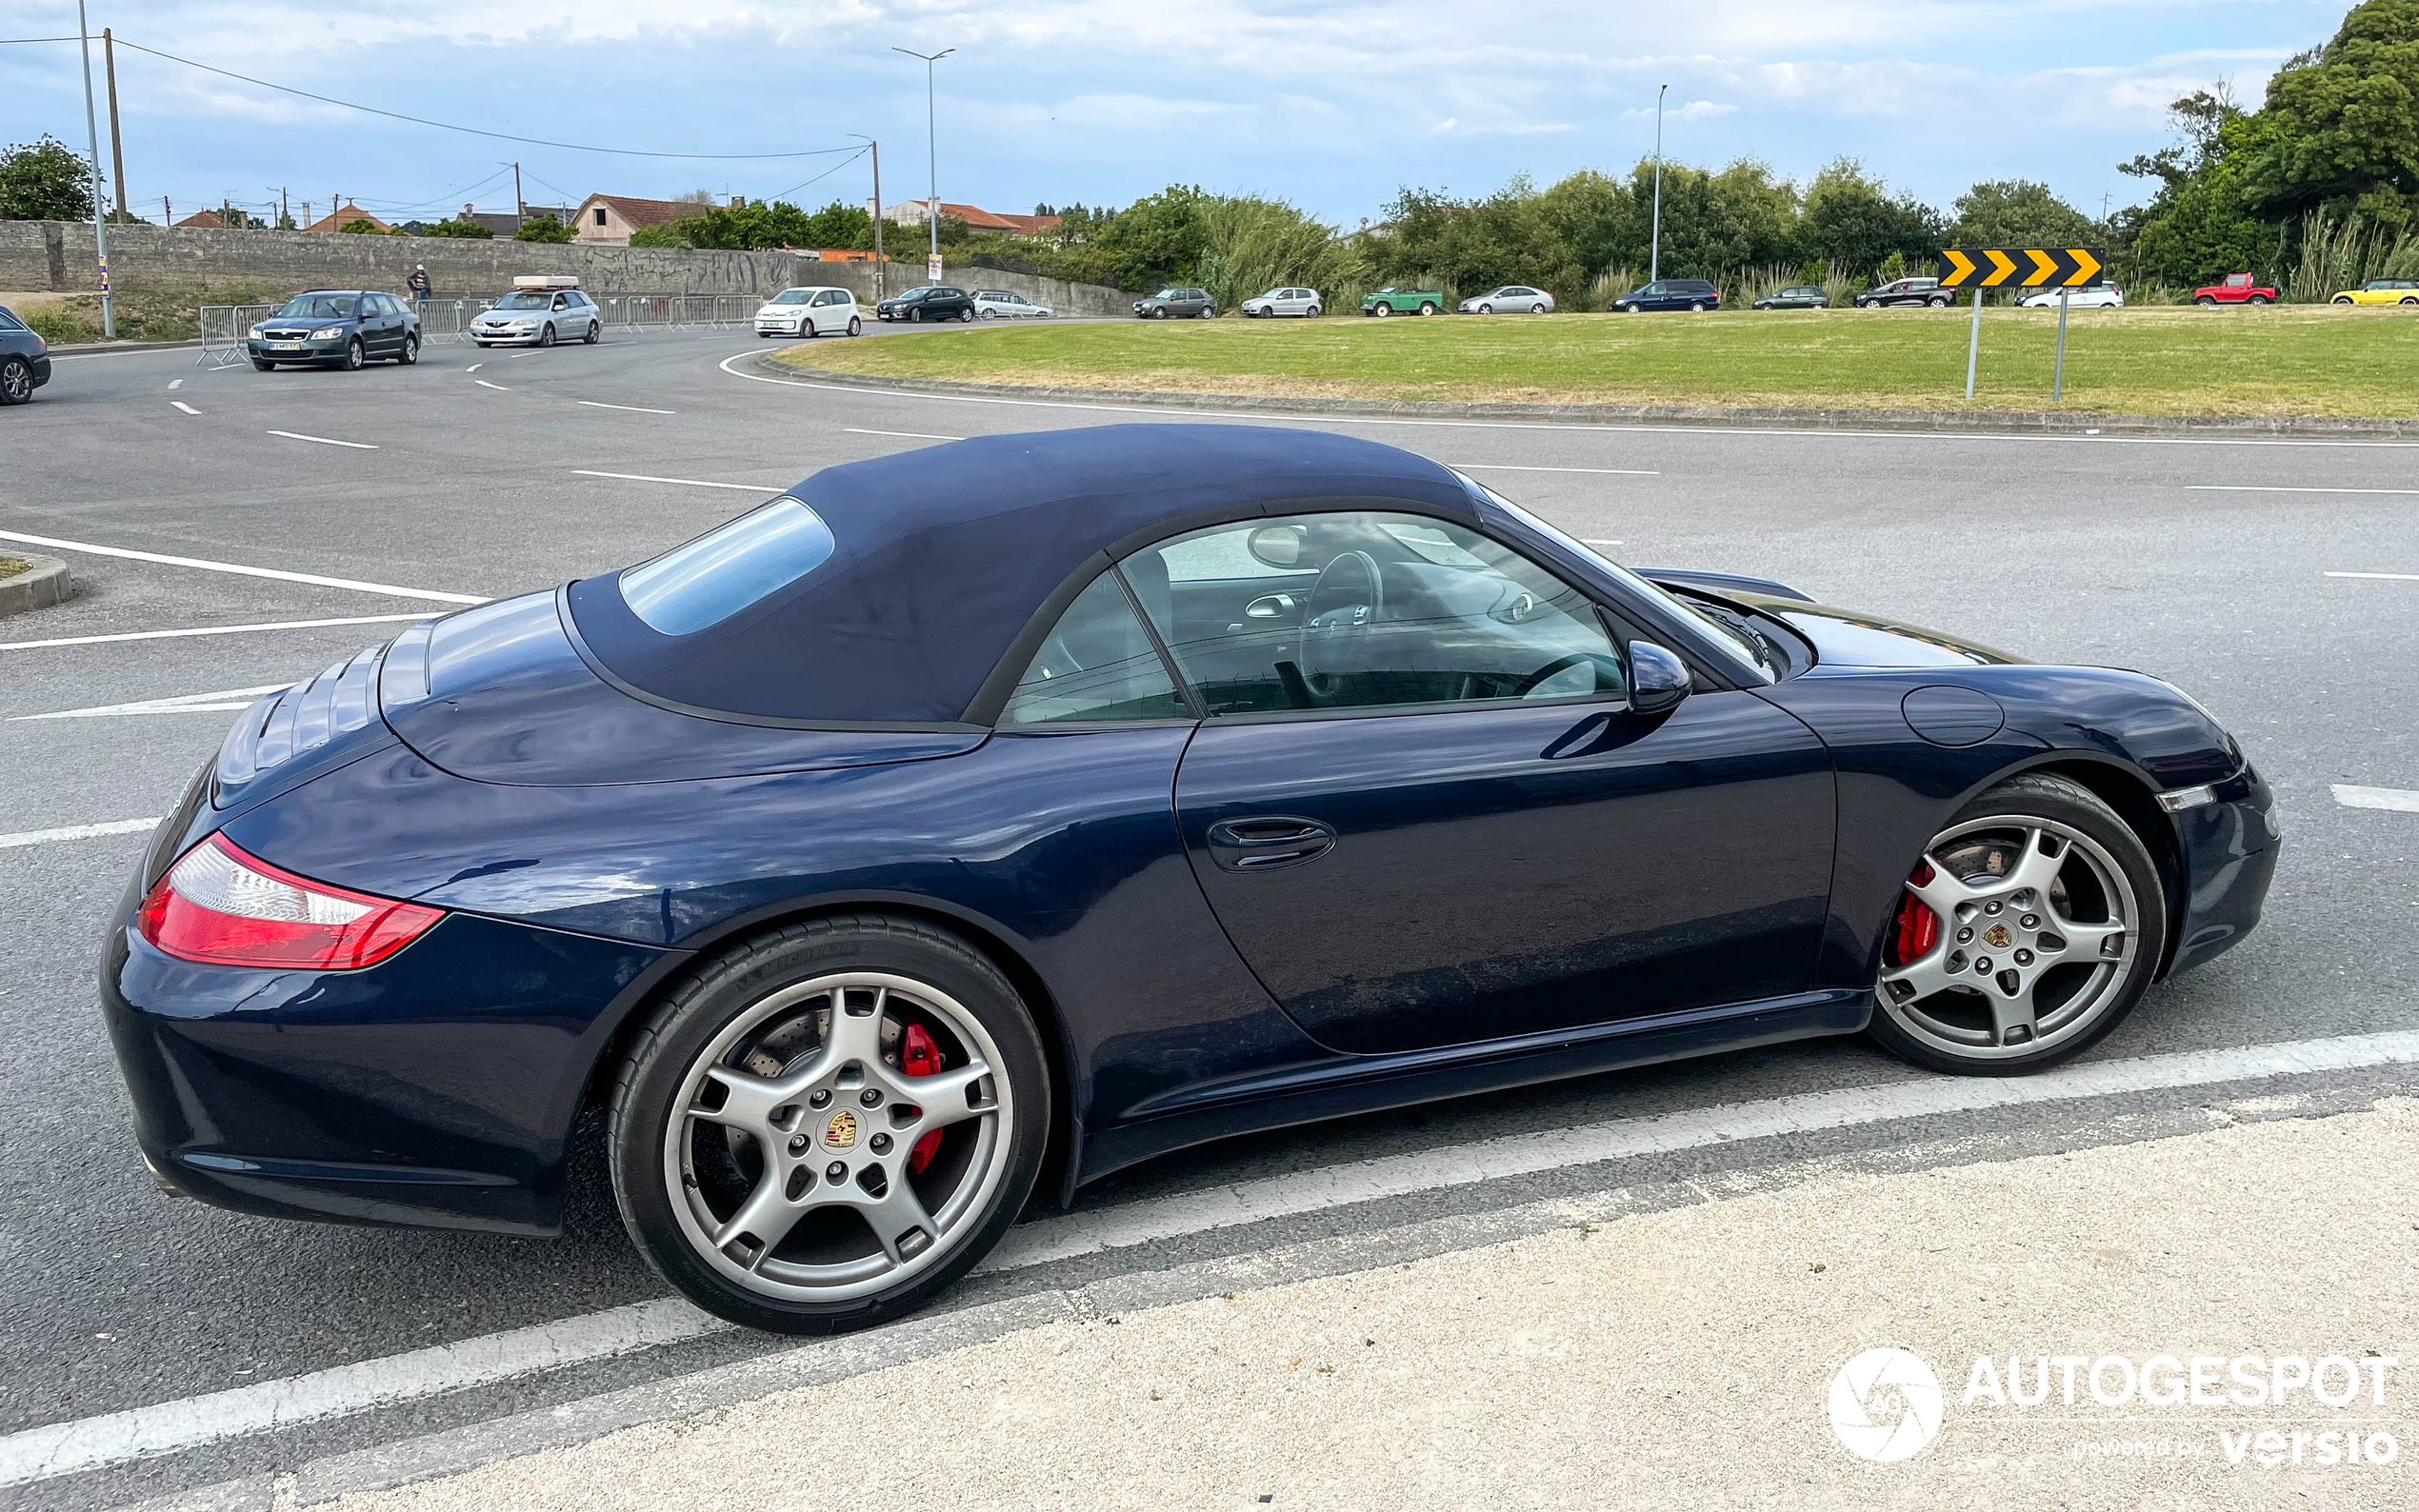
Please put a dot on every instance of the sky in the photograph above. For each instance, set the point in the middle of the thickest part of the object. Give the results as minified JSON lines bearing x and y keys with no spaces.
{"x":1334,"y":107}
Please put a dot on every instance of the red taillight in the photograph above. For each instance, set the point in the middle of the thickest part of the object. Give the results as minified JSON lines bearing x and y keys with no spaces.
{"x":221,"y":906}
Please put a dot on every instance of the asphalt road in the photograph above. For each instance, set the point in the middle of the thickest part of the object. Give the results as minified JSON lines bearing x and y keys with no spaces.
{"x":475,"y":473}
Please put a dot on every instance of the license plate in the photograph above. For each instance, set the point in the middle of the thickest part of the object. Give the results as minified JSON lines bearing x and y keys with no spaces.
{"x":285,"y":345}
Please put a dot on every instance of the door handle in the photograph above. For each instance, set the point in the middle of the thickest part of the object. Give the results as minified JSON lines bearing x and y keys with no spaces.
{"x":1266,"y":842}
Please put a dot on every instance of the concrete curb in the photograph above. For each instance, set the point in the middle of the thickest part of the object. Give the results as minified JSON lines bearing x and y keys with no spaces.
{"x":1989,"y":422}
{"x":91,"y":349}
{"x":44,"y":581}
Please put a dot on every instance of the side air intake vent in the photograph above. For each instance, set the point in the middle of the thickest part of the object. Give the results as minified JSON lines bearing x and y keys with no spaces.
{"x":301,"y":718}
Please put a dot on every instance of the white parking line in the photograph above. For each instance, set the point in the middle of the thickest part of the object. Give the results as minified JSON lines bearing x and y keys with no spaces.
{"x":912,"y":435}
{"x":44,"y":837}
{"x":636,"y":410}
{"x":177,"y":383}
{"x":327,"y":441}
{"x":119,"y":1438}
{"x":2392,"y":577}
{"x":210,"y":630}
{"x":693,"y":483}
{"x":2261,"y":488}
{"x":474,"y":367}
{"x":498,"y":388}
{"x":182,"y":405}
{"x":1506,"y":466}
{"x":206,"y":566}
{"x":2400,"y":799}
{"x":229,"y":700}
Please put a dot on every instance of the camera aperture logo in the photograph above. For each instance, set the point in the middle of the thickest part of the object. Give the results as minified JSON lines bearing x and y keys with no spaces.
{"x":1886,"y":1406}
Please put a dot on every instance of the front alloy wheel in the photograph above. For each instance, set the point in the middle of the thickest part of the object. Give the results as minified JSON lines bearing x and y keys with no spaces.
{"x":353,"y":355}
{"x":829,"y":1123}
{"x":2029,"y":928}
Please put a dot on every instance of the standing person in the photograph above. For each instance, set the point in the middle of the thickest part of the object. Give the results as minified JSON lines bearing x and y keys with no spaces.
{"x":418,"y":283}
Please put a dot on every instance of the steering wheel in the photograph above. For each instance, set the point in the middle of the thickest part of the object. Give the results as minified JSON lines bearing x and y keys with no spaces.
{"x":1343,"y":605}
{"x":1556,"y":667}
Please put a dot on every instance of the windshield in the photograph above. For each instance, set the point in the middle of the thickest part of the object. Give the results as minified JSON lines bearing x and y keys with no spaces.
{"x":918,"y":293}
{"x":1749,"y":659}
{"x":319,"y":307}
{"x":794,"y":296}
{"x":1169,"y":293}
{"x":526,"y":299}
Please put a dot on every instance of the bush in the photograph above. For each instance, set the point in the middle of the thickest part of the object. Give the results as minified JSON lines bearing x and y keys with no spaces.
{"x":543,"y":228}
{"x":466,"y":230}
{"x":658,"y":236}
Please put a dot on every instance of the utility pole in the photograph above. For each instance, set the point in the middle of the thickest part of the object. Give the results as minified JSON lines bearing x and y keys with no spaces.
{"x":166,"y":215}
{"x":285,"y":208}
{"x":118,"y":150}
{"x":520,"y":206}
{"x":1655,"y":247}
{"x":932,"y":147}
{"x":878,"y":289}
{"x":93,"y":142}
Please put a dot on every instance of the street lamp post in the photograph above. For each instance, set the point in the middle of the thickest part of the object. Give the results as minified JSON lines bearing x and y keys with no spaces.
{"x":1655,"y":247}
{"x":932,"y":162}
{"x":92,"y":139}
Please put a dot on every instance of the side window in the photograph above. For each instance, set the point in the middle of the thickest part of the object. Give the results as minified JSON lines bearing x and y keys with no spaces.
{"x":1096,"y":666}
{"x":1367,"y":610}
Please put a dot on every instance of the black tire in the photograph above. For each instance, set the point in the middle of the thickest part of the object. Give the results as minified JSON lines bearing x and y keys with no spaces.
{"x":718,"y":991}
{"x":16,"y":381}
{"x":1696,"y":307}
{"x":806,"y":329}
{"x":856,"y":326}
{"x":2207,"y":302}
{"x":409,"y":352}
{"x":1428,"y":306}
{"x":263,"y":364}
{"x":1486,"y":310}
{"x":965,"y":316}
{"x":1937,"y":303}
{"x":1383,"y":309}
{"x":546,"y":337}
{"x":353,"y":356}
{"x":594,"y":330}
{"x":1314,"y":311}
{"x":2041,"y":796}
{"x":2345,"y":299}
{"x":2258,"y":299}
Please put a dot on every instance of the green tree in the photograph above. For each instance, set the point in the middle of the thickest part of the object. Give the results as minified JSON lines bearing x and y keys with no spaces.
{"x":1462,"y":247}
{"x":468,"y":231}
{"x":43,"y":181}
{"x":1713,"y":223}
{"x":361,"y":226}
{"x":669,"y":235}
{"x":2200,"y":225}
{"x":2017,"y":213}
{"x":543,"y":228}
{"x":2340,"y":128}
{"x":1851,"y":219}
{"x":839,"y":224}
{"x":1599,"y":220}
{"x":1154,"y":241}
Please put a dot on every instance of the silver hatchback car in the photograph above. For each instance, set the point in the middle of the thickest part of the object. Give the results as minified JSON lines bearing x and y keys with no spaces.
{"x":1287,"y":301}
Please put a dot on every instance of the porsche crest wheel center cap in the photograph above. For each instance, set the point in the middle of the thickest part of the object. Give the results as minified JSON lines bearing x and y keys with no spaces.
{"x":1997,"y":937}
{"x":841,"y":1131}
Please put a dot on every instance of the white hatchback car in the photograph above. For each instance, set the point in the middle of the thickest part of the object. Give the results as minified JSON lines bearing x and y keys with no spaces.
{"x":1512,"y":299}
{"x":810,"y":311}
{"x":2091,"y":296}
{"x":999,"y":303}
{"x":1285,"y":302}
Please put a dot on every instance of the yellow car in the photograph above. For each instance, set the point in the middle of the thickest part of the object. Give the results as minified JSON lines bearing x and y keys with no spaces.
{"x":2382,"y":292}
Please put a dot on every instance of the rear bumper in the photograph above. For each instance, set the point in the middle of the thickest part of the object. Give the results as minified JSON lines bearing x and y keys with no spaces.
{"x":2228,"y":849}
{"x":437,"y":1088}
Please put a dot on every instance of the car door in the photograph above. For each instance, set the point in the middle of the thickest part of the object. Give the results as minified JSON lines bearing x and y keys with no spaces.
{"x":1426,"y":814}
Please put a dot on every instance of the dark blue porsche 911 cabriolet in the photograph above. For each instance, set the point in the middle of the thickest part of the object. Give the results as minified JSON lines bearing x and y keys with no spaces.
{"x":1041,"y":804}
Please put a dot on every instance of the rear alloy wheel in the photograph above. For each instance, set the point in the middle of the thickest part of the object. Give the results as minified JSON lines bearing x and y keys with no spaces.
{"x":965,"y":316}
{"x":16,"y":381}
{"x":1937,"y":303}
{"x":826,"y":1124}
{"x":1696,"y":307}
{"x":2259,"y":299}
{"x":856,"y":326}
{"x":2029,"y":929}
{"x":411,"y":350}
{"x":594,"y":330}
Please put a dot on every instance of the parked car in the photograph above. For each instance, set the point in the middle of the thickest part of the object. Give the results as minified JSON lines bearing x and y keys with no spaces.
{"x":2382,"y":292}
{"x":1001,"y":303}
{"x":2234,"y":288}
{"x":817,"y":947}
{"x":342,"y":328}
{"x":1797,"y":296}
{"x":809,"y":311}
{"x":2091,"y":296}
{"x":1512,"y":299}
{"x":1392,"y":301}
{"x":1908,"y":291}
{"x":1284,"y":301}
{"x":538,"y":316}
{"x":1671,"y":293}
{"x":25,"y":359}
{"x":1177,"y":304}
{"x":927,"y":302}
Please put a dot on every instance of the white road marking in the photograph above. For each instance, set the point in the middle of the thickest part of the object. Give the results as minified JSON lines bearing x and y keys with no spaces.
{"x":498,"y":388}
{"x":210,"y":630}
{"x":144,"y":1433}
{"x":225,"y":699}
{"x":2400,"y":799}
{"x":206,"y":566}
{"x":2395,"y":577}
{"x":2261,"y":488}
{"x":1268,"y":417}
{"x":182,"y":405}
{"x":1584,"y":541}
{"x":44,"y":837}
{"x":177,"y":383}
{"x":1506,"y":466}
{"x":89,"y":1443}
{"x":327,"y":441}
{"x":912,"y":435}
{"x":474,"y":367}
{"x":693,"y":483}
{"x":636,"y":410}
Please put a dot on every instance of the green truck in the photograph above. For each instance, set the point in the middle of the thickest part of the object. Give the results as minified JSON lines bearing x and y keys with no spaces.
{"x":1391,"y":301}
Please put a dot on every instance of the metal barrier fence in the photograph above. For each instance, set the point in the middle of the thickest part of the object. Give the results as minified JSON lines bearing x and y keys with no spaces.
{"x":224,"y":327}
{"x":449,"y":319}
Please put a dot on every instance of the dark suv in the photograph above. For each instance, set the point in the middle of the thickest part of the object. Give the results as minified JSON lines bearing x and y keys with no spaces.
{"x":25,"y":359}
{"x":927,"y":302}
{"x":346,"y":327}
{"x":1906,"y":291}
{"x":1671,"y":293}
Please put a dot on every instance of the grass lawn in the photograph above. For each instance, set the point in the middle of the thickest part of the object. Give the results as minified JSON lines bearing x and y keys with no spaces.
{"x":2277,"y":361}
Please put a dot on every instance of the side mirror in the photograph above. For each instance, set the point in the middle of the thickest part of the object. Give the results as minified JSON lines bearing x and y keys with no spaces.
{"x":1658,"y":679}
{"x":1276,"y":545}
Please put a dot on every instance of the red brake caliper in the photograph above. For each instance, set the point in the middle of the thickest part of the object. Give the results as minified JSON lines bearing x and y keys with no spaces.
{"x":1918,"y":926}
{"x":920,"y":1056}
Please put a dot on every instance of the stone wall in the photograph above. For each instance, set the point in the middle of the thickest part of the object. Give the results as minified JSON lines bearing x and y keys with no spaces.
{"x":57,"y":256}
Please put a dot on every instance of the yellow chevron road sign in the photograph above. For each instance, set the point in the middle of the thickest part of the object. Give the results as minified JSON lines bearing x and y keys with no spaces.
{"x":2022,"y":267}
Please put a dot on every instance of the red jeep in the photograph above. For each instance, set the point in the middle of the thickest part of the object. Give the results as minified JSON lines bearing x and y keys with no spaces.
{"x":2236,"y":289}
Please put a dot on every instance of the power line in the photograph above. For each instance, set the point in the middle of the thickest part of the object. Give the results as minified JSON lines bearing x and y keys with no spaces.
{"x":474,"y":130}
{"x":819,"y":177}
